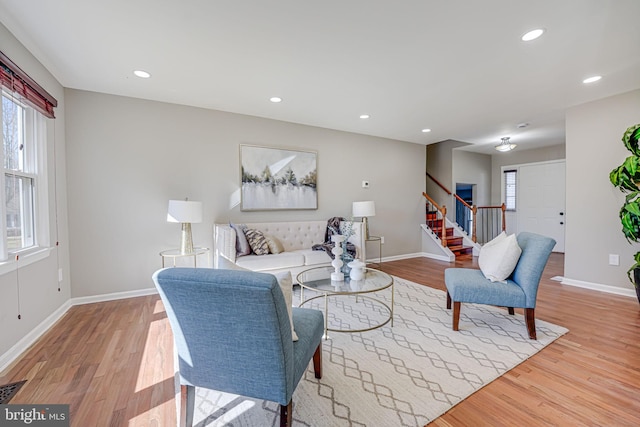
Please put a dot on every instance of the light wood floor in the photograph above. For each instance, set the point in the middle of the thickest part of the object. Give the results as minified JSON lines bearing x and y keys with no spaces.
{"x":113,"y":362}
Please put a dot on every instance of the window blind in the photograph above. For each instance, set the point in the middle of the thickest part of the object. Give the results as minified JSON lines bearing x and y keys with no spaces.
{"x":17,"y":81}
{"x":510,"y":189}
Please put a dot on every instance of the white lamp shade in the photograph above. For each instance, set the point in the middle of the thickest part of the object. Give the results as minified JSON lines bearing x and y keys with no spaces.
{"x":364,"y":209}
{"x":184,"y":211}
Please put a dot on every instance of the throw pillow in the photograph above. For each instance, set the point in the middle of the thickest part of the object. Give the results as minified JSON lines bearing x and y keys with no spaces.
{"x":275,"y":246}
{"x":257,"y":241}
{"x":499,"y":258}
{"x":284,"y":280}
{"x":242,"y":245}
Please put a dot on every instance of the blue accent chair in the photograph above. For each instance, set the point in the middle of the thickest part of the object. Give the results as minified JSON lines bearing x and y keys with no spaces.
{"x":521,"y":290}
{"x":232,"y":333}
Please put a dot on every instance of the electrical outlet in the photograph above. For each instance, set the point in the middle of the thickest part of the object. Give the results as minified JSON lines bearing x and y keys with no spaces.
{"x":614,"y":259}
{"x":365,"y":184}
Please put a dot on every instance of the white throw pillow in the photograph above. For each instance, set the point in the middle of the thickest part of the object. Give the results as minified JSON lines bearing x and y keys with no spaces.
{"x":499,"y":257}
{"x":284,"y":280}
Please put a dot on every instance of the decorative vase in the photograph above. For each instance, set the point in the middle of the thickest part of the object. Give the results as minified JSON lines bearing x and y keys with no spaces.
{"x":357,"y":270}
{"x":337,"y":275}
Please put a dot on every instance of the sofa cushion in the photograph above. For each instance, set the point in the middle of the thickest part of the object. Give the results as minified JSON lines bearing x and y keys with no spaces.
{"x":312,"y":257}
{"x":271,"y":261}
{"x":275,"y":246}
{"x":257,"y":241}
{"x":242,"y":245}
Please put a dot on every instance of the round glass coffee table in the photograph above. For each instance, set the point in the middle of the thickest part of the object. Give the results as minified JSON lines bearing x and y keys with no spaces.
{"x":318,"y":279}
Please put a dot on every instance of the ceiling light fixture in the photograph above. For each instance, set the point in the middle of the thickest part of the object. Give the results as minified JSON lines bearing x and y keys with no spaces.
{"x":364,"y":116}
{"x":591,"y":79}
{"x":275,"y":99}
{"x":142,"y":74}
{"x":532,"y":35}
{"x":426,"y":130}
{"x":505,"y":145}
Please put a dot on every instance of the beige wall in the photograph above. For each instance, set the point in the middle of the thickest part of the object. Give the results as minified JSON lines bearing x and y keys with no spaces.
{"x":473,"y":168}
{"x":127,"y":157}
{"x":440,"y":166}
{"x":594,"y":148}
{"x":33,"y":292}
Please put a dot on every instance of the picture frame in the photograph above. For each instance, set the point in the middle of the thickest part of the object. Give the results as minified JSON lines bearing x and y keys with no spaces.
{"x":277,"y":179}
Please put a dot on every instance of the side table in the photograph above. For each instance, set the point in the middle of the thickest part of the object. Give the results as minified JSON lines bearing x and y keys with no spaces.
{"x":174,"y":254}
{"x":379,"y":240}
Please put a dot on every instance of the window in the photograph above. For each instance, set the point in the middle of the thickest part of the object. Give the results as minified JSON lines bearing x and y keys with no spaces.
{"x":510,"y":189}
{"x":23,"y":151}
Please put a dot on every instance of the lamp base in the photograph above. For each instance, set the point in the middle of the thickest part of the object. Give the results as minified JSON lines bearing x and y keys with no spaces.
{"x":365,"y":222}
{"x":186,"y":239}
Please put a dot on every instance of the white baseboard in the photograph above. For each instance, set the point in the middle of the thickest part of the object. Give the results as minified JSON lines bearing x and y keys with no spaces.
{"x":28,"y":340}
{"x":113,"y":296}
{"x":397,"y":257}
{"x":437,"y":257}
{"x":599,"y":287}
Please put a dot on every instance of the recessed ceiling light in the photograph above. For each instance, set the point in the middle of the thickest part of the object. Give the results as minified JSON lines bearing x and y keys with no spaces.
{"x":275,"y":99}
{"x":142,"y":74}
{"x":426,"y":130}
{"x":532,"y":35}
{"x":592,"y":79}
{"x":364,"y":116}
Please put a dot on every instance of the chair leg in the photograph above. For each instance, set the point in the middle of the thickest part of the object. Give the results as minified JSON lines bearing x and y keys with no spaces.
{"x":448,"y":301}
{"x":286,"y":414}
{"x":456,"y":315}
{"x":511,"y":310}
{"x":530,"y":319}
{"x":187,"y":404}
{"x":317,"y":361}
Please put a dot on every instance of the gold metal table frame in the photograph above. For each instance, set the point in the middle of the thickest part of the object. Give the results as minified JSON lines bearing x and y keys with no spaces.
{"x":319,"y":280}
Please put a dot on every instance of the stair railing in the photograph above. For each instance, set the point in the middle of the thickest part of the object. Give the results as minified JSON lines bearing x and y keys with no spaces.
{"x":492,"y":222}
{"x":436,"y":215}
{"x":467,"y":215}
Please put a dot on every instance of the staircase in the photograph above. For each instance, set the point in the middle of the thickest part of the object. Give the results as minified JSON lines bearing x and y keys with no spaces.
{"x":454,"y":243}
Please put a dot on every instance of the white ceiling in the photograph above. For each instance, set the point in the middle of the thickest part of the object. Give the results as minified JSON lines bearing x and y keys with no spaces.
{"x":457,"y":67}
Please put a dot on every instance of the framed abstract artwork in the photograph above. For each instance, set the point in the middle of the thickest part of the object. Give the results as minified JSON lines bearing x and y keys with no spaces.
{"x":277,"y":179}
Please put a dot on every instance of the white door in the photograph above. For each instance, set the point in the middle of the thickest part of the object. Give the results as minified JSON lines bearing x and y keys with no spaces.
{"x":540,"y":203}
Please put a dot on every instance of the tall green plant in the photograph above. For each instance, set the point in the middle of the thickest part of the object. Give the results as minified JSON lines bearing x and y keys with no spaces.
{"x":627,"y":178}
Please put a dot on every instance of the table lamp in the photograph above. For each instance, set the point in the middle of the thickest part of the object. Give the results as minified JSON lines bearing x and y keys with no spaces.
{"x":186,"y":212}
{"x":364,"y":210}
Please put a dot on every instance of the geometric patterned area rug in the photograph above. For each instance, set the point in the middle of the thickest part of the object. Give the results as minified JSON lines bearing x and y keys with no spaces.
{"x":405,"y":375}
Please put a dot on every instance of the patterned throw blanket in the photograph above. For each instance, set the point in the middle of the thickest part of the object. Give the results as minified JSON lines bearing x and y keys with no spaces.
{"x":333,"y":227}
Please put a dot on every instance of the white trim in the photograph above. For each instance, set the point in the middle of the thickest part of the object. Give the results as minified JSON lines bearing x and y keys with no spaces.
{"x":27,"y":257}
{"x":113,"y":296}
{"x":398,"y":257}
{"x":30,"y":338}
{"x":437,"y":257}
{"x":599,"y":287}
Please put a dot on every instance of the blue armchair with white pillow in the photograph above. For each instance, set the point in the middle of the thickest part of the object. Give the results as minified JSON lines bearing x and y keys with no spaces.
{"x":233,"y":333}
{"x":508,"y":280}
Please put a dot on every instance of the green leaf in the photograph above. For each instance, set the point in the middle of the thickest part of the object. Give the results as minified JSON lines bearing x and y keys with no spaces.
{"x":630,"y":139}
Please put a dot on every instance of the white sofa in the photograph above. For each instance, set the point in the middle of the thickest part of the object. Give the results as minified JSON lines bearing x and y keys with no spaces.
{"x":297,"y":238}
